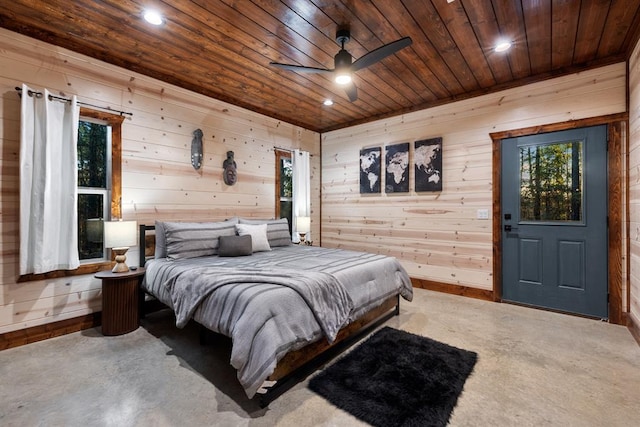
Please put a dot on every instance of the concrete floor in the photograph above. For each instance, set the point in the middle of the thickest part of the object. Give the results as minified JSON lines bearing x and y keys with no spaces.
{"x":535,"y":368}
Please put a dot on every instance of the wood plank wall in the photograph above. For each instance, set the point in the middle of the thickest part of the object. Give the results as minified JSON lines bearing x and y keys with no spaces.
{"x":634,"y":191}
{"x":158,"y":181}
{"x":437,"y":236}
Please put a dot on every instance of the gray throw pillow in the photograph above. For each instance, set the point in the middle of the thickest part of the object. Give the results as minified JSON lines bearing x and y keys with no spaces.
{"x":235,"y":246}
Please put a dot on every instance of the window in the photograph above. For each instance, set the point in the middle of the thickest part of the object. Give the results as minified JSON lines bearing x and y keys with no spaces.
{"x":94,"y":184}
{"x":99,"y":180}
{"x":284,"y":186}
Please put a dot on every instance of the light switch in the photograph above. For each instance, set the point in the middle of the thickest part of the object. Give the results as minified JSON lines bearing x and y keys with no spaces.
{"x":482,"y":214}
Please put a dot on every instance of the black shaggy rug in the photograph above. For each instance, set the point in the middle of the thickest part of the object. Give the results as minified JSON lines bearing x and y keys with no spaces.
{"x":396,"y":378}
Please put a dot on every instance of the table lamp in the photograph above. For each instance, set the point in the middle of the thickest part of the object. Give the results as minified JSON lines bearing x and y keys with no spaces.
{"x":303,"y":226}
{"x":119,"y":236}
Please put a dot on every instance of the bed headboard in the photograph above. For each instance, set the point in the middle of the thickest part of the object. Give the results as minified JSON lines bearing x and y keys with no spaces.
{"x":147,"y":243}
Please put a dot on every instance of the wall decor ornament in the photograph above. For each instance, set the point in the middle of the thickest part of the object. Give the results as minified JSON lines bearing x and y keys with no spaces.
{"x":230,"y":173}
{"x":370,"y":170}
{"x":427,"y":158}
{"x":397,"y":168}
{"x":196,"y":149}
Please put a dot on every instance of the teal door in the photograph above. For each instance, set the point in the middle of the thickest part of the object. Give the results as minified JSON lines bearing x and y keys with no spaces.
{"x":554,"y":220}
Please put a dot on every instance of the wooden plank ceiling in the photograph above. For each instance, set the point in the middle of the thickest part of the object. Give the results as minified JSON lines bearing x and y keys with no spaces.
{"x":222,"y":48}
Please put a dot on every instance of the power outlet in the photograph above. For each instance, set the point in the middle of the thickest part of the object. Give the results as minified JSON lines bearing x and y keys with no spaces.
{"x":482,"y":214}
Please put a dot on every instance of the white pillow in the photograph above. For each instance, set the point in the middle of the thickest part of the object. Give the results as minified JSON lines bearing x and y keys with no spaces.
{"x":277,"y":230}
{"x":258,"y":233}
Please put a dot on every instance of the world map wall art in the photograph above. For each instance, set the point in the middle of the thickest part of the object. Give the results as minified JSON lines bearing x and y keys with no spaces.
{"x":427,"y":161}
{"x":427,"y":158}
{"x":370,"y":170}
{"x":396,"y":165}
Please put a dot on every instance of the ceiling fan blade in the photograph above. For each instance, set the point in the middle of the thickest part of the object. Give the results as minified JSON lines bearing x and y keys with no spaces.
{"x":380,"y":53}
{"x":300,"y":68}
{"x":352,"y":92}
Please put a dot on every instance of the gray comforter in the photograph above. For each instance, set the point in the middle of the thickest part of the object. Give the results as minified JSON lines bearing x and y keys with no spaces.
{"x":323,"y":294}
{"x":266,"y":319}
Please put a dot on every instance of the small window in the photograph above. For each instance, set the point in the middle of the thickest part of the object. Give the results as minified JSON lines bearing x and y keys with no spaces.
{"x":284,"y":186}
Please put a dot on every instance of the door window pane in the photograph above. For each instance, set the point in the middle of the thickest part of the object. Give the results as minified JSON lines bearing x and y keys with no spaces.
{"x":551,"y":182}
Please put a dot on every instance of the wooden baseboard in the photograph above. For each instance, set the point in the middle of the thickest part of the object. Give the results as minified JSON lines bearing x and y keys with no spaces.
{"x":634,"y":328}
{"x":50,"y":330}
{"x":447,"y":288}
{"x":63,"y":327}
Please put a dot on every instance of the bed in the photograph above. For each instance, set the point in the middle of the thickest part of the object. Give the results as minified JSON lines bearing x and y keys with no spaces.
{"x":285,"y":307}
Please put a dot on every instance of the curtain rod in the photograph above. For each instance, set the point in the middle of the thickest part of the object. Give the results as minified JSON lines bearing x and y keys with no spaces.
{"x":59,"y":98}
{"x":288,"y":149}
{"x":283,"y":149}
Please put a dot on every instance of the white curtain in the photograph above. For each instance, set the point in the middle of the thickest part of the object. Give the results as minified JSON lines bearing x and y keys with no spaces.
{"x":301,"y":180}
{"x":48,"y":183}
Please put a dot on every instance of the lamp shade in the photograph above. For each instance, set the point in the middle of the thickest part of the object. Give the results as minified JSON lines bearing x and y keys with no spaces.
{"x":303,"y":224}
{"x":119,"y":234}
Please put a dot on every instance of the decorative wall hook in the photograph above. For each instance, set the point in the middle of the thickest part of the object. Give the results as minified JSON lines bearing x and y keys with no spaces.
{"x":196,"y":149}
{"x":230,"y":174}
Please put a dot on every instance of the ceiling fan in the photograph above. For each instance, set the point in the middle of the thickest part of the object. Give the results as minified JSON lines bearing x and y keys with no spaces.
{"x":343,"y":65}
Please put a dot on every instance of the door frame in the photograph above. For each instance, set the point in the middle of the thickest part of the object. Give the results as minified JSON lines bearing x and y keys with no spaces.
{"x":617,"y":190}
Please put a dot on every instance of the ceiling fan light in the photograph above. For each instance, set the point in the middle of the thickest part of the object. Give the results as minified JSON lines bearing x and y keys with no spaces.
{"x":153,"y":17}
{"x":343,"y":78}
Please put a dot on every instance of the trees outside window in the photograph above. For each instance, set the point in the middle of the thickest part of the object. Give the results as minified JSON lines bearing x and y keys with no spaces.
{"x":551,"y":182}
{"x":94,"y":182}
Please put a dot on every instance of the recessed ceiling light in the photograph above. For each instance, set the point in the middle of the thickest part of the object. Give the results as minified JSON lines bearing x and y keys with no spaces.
{"x":328,"y":102}
{"x":153,"y":17}
{"x":502,"y":46}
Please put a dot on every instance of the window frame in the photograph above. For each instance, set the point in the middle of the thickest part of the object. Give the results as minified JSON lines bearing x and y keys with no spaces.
{"x":115,"y":121}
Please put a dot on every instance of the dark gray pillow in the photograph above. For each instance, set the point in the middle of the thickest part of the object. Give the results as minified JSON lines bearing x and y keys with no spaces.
{"x":235,"y":246}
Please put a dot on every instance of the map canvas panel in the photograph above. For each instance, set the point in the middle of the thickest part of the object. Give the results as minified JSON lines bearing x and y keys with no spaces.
{"x":397,"y":168}
{"x":428,"y":164}
{"x":370,"y":170}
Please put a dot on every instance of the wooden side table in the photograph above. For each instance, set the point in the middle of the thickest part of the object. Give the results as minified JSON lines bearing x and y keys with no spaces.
{"x":120,"y":300}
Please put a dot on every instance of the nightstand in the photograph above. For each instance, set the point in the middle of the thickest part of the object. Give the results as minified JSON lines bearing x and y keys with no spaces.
{"x":120,"y":300}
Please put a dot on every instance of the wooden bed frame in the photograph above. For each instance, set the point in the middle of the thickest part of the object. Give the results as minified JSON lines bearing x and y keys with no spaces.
{"x":295,"y":366}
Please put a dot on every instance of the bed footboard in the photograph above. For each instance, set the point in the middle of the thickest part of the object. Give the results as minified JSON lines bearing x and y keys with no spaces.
{"x":297,"y":365}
